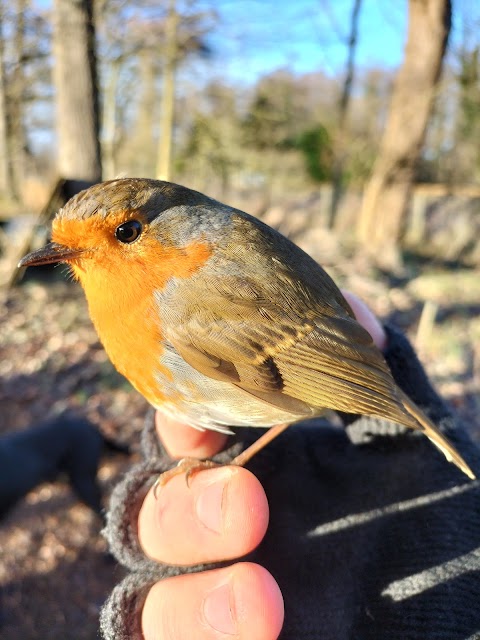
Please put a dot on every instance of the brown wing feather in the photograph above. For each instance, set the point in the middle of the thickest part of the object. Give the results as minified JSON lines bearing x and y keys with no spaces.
{"x":321,"y":362}
{"x":289,"y":339}
{"x":287,"y":334}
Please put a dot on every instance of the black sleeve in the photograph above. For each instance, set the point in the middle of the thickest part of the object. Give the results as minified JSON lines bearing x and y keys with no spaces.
{"x":372,"y":533}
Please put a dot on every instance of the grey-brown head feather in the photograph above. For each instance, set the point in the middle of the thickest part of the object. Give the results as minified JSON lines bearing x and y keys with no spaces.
{"x":150,"y":197}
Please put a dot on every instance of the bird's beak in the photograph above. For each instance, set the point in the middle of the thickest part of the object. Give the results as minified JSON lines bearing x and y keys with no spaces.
{"x":52,"y":252}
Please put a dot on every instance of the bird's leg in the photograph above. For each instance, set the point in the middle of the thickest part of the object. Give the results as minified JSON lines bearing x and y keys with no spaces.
{"x":191,"y":466}
{"x":242,"y":458}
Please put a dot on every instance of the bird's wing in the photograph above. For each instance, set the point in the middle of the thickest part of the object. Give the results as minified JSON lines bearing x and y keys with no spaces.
{"x":288,"y":349}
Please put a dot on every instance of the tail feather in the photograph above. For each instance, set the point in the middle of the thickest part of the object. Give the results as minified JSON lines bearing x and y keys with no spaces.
{"x":436,"y":436}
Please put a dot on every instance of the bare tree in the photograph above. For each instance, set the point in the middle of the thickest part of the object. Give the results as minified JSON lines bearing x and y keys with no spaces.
{"x":467,"y":161}
{"x":388,"y":192}
{"x":6,"y":186}
{"x":75,"y":79}
{"x":343,"y":104}
{"x":146,"y":114}
{"x":164,"y":161}
{"x":121,"y":41}
{"x":109,"y":133}
{"x":17,"y":138}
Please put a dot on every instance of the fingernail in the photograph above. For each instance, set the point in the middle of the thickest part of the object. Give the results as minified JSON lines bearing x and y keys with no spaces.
{"x":210,"y":501}
{"x":219,"y":610}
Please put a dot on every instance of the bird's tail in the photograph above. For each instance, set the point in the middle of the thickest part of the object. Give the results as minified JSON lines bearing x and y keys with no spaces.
{"x":436,"y":436}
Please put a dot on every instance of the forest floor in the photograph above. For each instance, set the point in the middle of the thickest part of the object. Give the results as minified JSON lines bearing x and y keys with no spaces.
{"x":54,"y":568}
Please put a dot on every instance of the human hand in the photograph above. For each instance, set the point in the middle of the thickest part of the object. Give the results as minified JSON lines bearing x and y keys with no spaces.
{"x":223,"y":515}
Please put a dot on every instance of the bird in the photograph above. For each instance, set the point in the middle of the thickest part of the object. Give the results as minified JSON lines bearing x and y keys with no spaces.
{"x":217,"y":319}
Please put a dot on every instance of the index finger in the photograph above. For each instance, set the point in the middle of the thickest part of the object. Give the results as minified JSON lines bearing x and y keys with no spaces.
{"x":182,"y":441}
{"x":367,"y":319}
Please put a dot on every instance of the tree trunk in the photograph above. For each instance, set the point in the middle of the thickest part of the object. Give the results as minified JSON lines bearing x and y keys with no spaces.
{"x":143,"y":146}
{"x":388,"y":192}
{"x":17,"y":139}
{"x":110,"y":121}
{"x":344,"y":102}
{"x":75,"y":78}
{"x":164,"y":162}
{"x":6,"y":177}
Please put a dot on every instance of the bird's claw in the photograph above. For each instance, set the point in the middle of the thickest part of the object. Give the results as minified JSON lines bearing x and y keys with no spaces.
{"x":189,"y":466}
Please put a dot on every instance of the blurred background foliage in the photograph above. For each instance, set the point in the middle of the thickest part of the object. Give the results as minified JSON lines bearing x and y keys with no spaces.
{"x":259,"y":99}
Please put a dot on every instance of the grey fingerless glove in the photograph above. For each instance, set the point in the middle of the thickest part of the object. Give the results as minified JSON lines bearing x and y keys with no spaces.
{"x":372,"y":533}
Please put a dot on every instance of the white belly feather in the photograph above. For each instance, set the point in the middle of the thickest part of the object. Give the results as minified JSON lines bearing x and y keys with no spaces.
{"x":206,"y":403}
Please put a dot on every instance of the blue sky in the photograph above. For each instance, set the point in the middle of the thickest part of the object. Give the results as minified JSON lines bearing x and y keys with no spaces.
{"x":257,"y":36}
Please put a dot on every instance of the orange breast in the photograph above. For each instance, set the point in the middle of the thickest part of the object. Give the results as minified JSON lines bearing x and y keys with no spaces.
{"x":120,"y":284}
{"x":123,"y":312}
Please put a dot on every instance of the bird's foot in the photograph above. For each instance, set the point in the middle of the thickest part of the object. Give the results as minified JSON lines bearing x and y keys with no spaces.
{"x":191,"y":466}
{"x":188,"y":466}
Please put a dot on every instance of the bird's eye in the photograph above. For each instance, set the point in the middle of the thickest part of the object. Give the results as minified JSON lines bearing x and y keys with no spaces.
{"x":129,"y":231}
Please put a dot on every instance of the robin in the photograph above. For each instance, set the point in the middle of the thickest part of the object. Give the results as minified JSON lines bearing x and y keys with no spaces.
{"x":216,"y":318}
